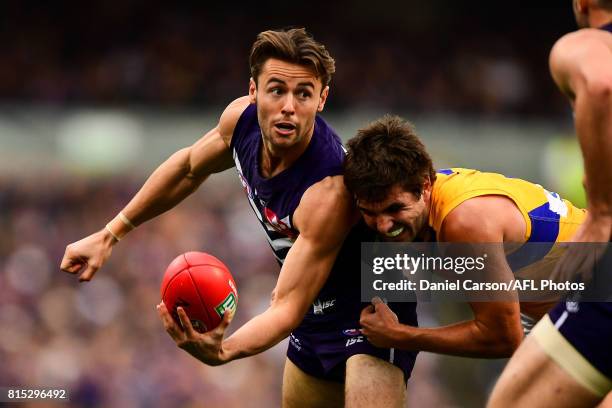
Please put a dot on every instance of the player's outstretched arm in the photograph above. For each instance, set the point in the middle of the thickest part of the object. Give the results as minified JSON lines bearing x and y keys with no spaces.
{"x":581,"y":65}
{"x":495,"y":330}
{"x":169,"y":184}
{"x":324,"y":217}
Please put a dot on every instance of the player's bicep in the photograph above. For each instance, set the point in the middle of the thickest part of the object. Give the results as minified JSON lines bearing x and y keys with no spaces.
{"x":478,"y":227}
{"x":211,"y":154}
{"x":325,"y":216}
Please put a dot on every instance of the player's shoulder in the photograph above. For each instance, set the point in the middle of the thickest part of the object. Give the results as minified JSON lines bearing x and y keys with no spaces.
{"x":464,"y":218}
{"x":327,"y":192}
{"x":581,"y":57}
{"x":478,"y":219}
{"x":585,"y":34}
{"x":576,"y":43}
{"x":327,"y":201}
{"x":230,"y":116}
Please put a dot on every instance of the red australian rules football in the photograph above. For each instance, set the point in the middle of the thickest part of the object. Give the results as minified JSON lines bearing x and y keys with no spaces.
{"x":203,"y":286}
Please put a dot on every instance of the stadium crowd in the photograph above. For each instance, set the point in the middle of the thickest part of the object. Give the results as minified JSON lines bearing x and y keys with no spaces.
{"x":156,"y":53}
{"x":103,"y":341}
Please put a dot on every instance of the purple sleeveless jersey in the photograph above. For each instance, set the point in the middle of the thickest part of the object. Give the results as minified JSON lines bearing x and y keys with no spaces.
{"x":275,"y":199}
{"x":329,"y":333}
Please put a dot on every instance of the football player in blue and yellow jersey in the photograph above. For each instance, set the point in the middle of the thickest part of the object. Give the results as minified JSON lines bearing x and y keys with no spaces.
{"x":401,"y":196}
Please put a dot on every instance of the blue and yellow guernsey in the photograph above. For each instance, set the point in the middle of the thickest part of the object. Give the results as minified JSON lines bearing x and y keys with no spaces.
{"x":548,"y":218}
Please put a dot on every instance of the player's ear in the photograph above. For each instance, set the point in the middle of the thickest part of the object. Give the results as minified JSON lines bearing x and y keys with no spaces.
{"x":426,"y":188}
{"x":581,"y":5}
{"x":252,"y":91}
{"x":323,"y":99}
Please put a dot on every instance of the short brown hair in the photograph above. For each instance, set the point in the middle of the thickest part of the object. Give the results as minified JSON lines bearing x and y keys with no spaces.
{"x":295,"y":46}
{"x":386,"y":153}
{"x":605,"y":4}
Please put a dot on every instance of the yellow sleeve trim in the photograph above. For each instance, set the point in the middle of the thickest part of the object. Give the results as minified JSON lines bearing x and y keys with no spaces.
{"x":567,"y":357}
{"x":479,"y":193}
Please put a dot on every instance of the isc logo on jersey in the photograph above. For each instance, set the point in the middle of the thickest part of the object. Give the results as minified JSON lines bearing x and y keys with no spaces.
{"x":355,"y":336}
{"x":319,"y":307}
{"x":354,"y":340}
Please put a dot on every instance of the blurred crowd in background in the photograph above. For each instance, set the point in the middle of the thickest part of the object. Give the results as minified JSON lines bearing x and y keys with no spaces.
{"x":103,"y":340}
{"x":435,"y":56}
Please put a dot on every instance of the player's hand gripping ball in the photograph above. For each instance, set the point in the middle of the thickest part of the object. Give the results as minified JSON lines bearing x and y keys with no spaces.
{"x":203,"y":286}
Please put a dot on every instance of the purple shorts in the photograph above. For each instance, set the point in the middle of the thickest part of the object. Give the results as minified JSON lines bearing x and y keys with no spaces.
{"x":587,"y":326}
{"x":321,"y":350}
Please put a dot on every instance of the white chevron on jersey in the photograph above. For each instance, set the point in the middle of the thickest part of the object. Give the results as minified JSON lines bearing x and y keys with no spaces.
{"x":247,"y":187}
{"x":278,"y":243}
{"x":281,"y":243}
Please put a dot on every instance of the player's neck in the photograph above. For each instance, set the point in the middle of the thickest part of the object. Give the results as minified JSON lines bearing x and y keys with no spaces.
{"x":599,"y":19}
{"x":427,"y":234}
{"x":607,"y":22}
{"x":274,"y":160}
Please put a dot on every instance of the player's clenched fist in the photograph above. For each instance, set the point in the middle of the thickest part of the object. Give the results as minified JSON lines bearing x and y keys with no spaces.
{"x":379,"y":324}
{"x":88,"y":255}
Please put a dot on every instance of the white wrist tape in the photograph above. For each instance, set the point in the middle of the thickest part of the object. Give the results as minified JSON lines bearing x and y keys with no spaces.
{"x":126,"y":220}
{"x":110,"y":231}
